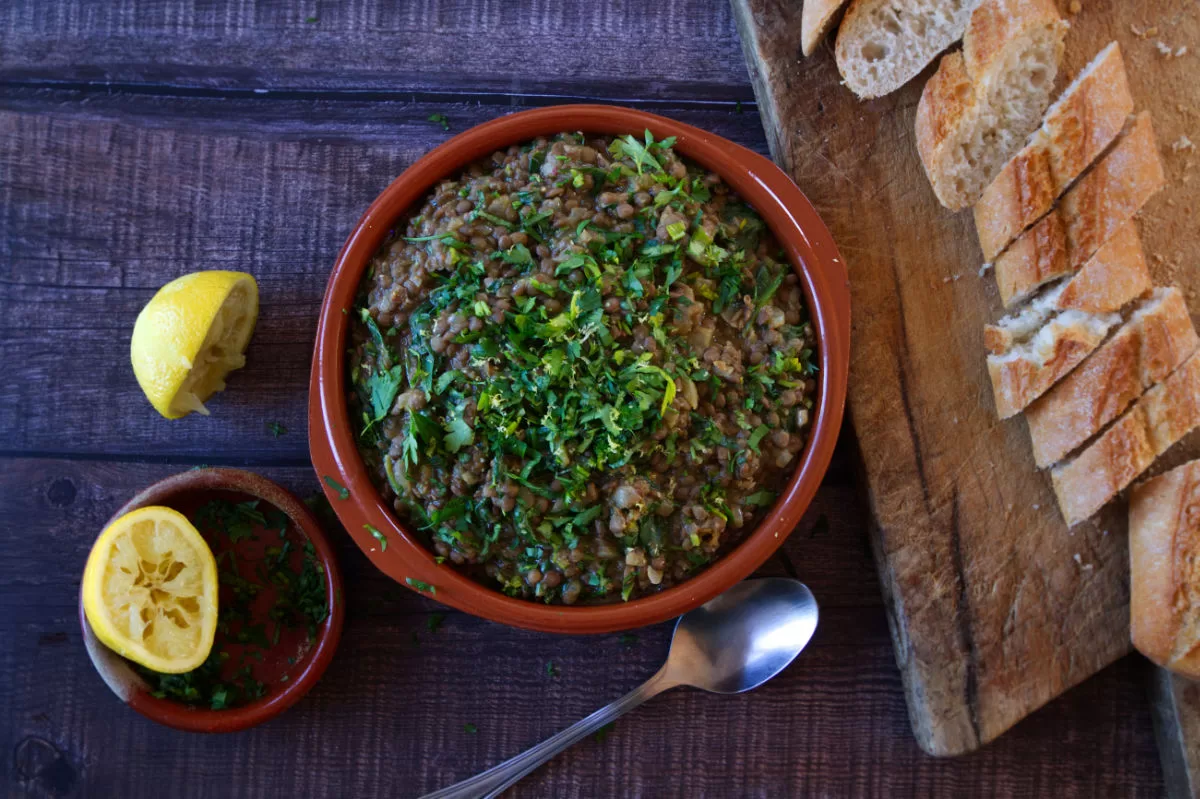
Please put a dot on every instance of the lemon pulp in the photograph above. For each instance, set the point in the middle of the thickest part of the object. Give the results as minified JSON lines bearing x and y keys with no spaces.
{"x":150,"y":590}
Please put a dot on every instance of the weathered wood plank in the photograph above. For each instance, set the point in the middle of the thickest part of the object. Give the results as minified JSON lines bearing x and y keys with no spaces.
{"x":628,"y":51}
{"x":95,"y":214}
{"x":996,"y":606}
{"x":389,"y":715}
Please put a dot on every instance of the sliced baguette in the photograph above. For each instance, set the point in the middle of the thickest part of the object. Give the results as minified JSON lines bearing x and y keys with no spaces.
{"x":1081,"y":123}
{"x":1030,"y":367}
{"x":883,"y":44}
{"x":982,"y":104}
{"x":1157,"y":338}
{"x":815,"y":21}
{"x":1162,"y":416}
{"x":1089,"y":214}
{"x":1164,"y":569}
{"x":1114,"y":191}
{"x":1113,"y":277}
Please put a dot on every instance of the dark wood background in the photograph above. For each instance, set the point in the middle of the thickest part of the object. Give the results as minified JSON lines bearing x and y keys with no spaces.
{"x":142,"y":140}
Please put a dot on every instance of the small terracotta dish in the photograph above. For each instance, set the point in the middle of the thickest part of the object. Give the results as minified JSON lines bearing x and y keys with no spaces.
{"x":362,"y":509}
{"x":263,"y":664}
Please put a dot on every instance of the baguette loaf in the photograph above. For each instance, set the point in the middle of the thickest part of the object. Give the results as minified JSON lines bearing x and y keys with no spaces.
{"x":1161,"y":417}
{"x":883,"y":44}
{"x":1080,"y":124}
{"x":1157,"y":338}
{"x":1164,"y":569}
{"x":815,"y":21}
{"x":982,"y":103}
{"x":1089,"y":214}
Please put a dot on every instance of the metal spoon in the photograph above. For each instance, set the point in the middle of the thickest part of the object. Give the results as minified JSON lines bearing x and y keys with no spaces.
{"x":730,"y":644}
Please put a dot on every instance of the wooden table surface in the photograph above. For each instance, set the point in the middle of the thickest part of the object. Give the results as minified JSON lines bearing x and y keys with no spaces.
{"x":142,"y":140}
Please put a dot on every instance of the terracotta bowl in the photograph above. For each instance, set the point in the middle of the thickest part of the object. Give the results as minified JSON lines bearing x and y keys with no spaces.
{"x":800,"y":232}
{"x":184,"y":492}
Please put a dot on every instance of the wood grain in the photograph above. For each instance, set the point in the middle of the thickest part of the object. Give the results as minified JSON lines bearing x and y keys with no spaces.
{"x":97,"y":214}
{"x":437,"y":51}
{"x":388,"y":717}
{"x":995,"y":607}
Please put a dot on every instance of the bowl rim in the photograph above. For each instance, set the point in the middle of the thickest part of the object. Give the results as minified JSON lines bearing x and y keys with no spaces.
{"x":787,"y":212}
{"x":129,"y":686}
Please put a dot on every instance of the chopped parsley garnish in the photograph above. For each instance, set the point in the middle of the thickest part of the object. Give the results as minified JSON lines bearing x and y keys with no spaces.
{"x":552,"y":670}
{"x":421,"y":585}
{"x":342,"y":491}
{"x":378,"y":536}
{"x":441,"y":119}
{"x":576,"y":323}
{"x":276,"y":429}
{"x":434,"y":621}
{"x":471,"y":728}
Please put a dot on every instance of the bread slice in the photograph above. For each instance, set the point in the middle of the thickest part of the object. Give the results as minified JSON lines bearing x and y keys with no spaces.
{"x":883,"y":44}
{"x":1114,"y":191}
{"x":815,"y":21}
{"x":1089,"y":214}
{"x":1078,"y":127}
{"x":982,"y":104}
{"x":1112,"y":278}
{"x":1164,"y":569}
{"x":1160,"y":418}
{"x":1031,"y":365}
{"x":1157,"y":338}
{"x":1037,"y":257}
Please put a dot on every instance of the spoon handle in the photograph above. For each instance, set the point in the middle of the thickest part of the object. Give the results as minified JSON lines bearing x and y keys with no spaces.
{"x":491,"y":782}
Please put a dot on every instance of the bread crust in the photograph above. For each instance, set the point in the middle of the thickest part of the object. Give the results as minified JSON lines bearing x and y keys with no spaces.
{"x":1161,"y":417}
{"x":816,"y":19}
{"x":1152,"y":344}
{"x":1164,"y":586}
{"x":1090,"y":213}
{"x":1115,"y":275}
{"x":1078,"y":127}
{"x":995,"y":24}
{"x":1106,"y":197}
{"x":1016,"y":382}
{"x":1036,"y":258}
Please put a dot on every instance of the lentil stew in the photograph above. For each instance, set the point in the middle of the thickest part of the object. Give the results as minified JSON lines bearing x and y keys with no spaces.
{"x":582,"y":369}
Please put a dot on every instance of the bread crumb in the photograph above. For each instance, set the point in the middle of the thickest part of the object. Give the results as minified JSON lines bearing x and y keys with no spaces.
{"x":1075,"y":7}
{"x":1183,"y":143}
{"x":1164,"y":48}
{"x":1138,"y":32}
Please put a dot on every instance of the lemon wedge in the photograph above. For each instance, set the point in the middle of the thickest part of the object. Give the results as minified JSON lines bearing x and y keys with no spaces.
{"x":150,"y":590}
{"x":190,"y":335}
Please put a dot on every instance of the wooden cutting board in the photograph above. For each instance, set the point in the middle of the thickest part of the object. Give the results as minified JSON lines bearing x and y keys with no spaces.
{"x":995,"y":607}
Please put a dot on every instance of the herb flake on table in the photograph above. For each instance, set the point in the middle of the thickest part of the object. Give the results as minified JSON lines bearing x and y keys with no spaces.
{"x":441,"y":119}
{"x":276,"y":429}
{"x":470,"y":728}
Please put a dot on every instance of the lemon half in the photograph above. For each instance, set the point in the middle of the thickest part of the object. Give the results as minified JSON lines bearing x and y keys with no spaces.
{"x":150,"y":590}
{"x":190,"y":335}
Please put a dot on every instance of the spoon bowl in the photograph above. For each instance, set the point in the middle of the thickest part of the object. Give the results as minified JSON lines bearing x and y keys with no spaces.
{"x":730,"y":644}
{"x":744,"y":637}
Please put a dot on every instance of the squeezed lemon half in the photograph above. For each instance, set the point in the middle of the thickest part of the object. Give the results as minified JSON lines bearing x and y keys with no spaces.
{"x":190,"y":335}
{"x":150,"y":590}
